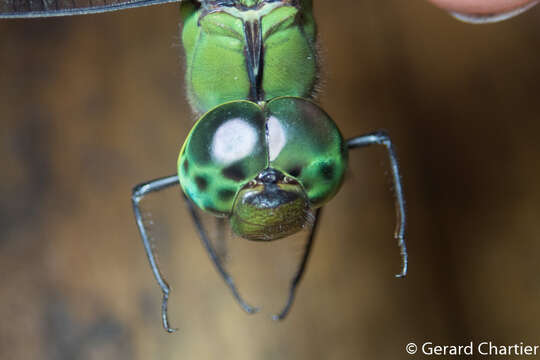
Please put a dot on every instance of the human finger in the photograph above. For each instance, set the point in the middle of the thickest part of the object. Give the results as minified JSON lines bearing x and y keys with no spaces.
{"x":484,"y":11}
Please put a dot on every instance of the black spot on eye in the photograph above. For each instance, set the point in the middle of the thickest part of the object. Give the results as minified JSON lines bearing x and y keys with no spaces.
{"x":186,"y":166}
{"x":234,"y":172}
{"x":327,"y":171}
{"x":225,"y":194}
{"x":201,"y":182}
{"x":295,"y":171}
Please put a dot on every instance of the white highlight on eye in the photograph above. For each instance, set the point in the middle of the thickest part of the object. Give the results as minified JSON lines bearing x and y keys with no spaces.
{"x":276,"y":137}
{"x":233,"y":141}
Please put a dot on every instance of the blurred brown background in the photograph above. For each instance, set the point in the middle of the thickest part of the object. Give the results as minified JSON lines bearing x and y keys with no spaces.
{"x":92,"y":105}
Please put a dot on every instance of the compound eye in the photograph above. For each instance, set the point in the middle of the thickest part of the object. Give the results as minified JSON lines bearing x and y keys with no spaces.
{"x":306,"y":145}
{"x":225,"y":149}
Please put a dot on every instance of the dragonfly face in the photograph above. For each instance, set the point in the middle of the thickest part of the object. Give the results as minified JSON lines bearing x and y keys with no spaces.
{"x":267,"y":165}
{"x":256,"y":53}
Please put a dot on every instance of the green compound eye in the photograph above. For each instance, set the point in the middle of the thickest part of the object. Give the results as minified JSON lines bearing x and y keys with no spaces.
{"x":305,"y":143}
{"x":225,"y":149}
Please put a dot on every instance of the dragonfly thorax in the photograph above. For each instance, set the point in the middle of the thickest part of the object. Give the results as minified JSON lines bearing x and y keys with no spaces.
{"x":248,"y":50}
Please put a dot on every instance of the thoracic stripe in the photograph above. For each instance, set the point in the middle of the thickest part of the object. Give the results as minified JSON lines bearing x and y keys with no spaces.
{"x":254,"y":58}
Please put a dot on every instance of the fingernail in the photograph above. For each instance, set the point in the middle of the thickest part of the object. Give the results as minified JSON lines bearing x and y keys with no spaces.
{"x":492,"y":18}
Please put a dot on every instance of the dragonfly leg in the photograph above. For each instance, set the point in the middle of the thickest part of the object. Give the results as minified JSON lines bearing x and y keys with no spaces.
{"x":139,"y":192}
{"x":300,"y":272}
{"x":382,"y":138}
{"x":221,"y":239}
{"x":216,"y":260}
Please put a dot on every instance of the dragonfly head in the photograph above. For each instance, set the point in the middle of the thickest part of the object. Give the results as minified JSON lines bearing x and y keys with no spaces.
{"x":265,"y":167}
{"x":271,"y":207}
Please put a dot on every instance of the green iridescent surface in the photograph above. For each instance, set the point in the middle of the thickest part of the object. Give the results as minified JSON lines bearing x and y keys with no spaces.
{"x":215,"y":47}
{"x":313,"y":150}
{"x":231,"y":144}
{"x":290,"y":56}
{"x":215,"y":60}
{"x":224,"y":150}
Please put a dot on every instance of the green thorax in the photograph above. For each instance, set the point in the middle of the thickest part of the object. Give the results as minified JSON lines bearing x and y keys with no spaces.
{"x":248,"y":50}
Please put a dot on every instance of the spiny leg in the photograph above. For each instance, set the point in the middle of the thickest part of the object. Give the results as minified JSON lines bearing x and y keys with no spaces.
{"x":300,"y":272}
{"x":138,"y":193}
{"x":382,"y":138}
{"x":215,"y":259}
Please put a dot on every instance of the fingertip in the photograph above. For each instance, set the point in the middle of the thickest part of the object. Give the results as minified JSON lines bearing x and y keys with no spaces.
{"x":484,"y":11}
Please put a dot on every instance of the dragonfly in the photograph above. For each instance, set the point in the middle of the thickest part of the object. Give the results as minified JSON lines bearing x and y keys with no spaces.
{"x":263,"y":155}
